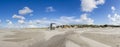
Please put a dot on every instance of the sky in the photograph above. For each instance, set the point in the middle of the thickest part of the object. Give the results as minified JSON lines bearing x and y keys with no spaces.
{"x":40,"y":13}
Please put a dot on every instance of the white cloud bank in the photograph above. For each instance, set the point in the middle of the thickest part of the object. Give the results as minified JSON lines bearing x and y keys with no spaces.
{"x":90,"y":5}
{"x":115,"y":18}
{"x":83,"y":19}
{"x":25,"y":10}
{"x":44,"y":22}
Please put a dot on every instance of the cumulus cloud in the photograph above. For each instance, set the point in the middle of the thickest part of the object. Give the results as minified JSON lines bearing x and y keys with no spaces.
{"x":21,"y":21}
{"x":85,"y":19}
{"x":18,"y":17}
{"x":50,"y":9}
{"x":90,"y":5}
{"x":25,"y":10}
{"x":113,"y":9}
{"x":114,"y":19}
{"x":21,"y":13}
{"x":9,"y":22}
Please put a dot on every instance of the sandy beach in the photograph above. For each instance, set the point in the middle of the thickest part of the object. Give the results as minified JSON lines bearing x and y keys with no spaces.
{"x":81,"y":37}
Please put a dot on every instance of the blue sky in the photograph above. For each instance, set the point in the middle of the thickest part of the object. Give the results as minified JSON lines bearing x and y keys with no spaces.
{"x":38,"y":13}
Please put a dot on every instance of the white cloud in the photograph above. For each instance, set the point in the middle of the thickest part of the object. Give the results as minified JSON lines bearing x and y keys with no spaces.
{"x":25,"y":10}
{"x":113,"y":8}
{"x":21,"y":21}
{"x":85,"y":19}
{"x":114,"y":19}
{"x":44,"y":22}
{"x":32,"y":26}
{"x":18,"y":17}
{"x":50,"y":9}
{"x":30,"y":22}
{"x":37,"y":23}
{"x":65,"y":20}
{"x":90,"y":5}
{"x":9,"y":22}
{"x":98,"y":2}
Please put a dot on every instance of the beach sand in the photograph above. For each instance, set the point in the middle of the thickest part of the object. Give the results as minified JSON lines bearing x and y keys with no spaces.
{"x":81,"y":37}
